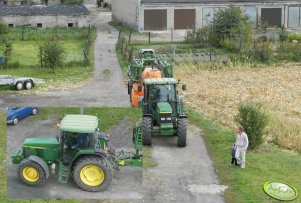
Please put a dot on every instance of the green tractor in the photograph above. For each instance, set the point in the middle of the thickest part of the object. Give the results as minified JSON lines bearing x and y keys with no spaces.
{"x":81,"y":152}
{"x":163,"y":111}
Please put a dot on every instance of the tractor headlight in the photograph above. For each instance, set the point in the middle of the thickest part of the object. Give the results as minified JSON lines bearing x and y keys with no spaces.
{"x":162,"y":119}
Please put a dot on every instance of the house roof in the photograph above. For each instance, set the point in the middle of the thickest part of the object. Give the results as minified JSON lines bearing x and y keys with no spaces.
{"x":43,"y":10}
{"x":214,"y":1}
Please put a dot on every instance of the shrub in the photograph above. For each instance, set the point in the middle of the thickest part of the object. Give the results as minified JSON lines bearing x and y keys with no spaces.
{"x":289,"y":51}
{"x":292,"y":37}
{"x":253,"y":119}
{"x":283,"y":35}
{"x":230,"y":23}
{"x":73,"y":2}
{"x":201,"y":36}
{"x":263,"y":52}
{"x":99,"y":2}
{"x":51,"y":54}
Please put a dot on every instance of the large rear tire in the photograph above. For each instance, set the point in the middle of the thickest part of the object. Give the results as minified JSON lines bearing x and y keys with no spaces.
{"x":147,"y":131}
{"x":92,"y":173}
{"x":182,"y":132}
{"x":31,"y":173}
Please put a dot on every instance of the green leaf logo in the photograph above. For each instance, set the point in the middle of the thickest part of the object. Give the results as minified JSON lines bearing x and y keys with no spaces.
{"x":280,"y":190}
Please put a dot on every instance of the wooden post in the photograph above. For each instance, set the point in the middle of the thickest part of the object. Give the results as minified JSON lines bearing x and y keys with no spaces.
{"x":82,"y":110}
{"x":171,"y":34}
{"x":119,"y":34}
{"x":130,"y":36}
{"x":130,"y":54}
{"x":149,"y":37}
{"x":41,"y":57}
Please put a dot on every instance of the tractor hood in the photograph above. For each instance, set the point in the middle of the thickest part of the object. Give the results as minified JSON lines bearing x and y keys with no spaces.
{"x":41,"y":143}
{"x":164,"y":107}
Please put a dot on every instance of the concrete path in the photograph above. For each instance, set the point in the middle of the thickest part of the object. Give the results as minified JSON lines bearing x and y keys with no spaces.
{"x":183,"y":174}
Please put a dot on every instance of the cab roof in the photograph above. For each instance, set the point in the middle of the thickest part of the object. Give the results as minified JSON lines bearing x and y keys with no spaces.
{"x":160,"y":81}
{"x":79,"y":123}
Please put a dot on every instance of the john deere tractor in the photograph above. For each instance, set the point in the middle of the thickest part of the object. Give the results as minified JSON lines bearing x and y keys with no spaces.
{"x":80,"y":152}
{"x":163,"y":111}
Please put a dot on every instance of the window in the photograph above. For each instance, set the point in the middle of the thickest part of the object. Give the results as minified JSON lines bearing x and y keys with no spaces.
{"x":70,"y":24}
{"x":5,"y":2}
{"x":23,"y":2}
{"x":10,"y":25}
{"x":208,"y":15}
{"x":39,"y":25}
{"x":251,"y":12}
{"x":294,"y":17}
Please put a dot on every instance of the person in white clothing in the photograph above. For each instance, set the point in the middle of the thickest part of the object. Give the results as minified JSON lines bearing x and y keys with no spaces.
{"x":242,"y":143}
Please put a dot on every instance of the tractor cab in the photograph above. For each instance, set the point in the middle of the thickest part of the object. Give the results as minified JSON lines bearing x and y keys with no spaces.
{"x":79,"y":133}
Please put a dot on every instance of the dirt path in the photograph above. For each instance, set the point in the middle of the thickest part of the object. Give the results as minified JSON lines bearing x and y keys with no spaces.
{"x":126,"y":184}
{"x":183,"y":174}
{"x":107,"y":88}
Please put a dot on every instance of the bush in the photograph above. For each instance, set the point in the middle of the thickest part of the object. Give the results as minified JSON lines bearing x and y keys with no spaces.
{"x":73,"y":2}
{"x":99,"y":2}
{"x":253,"y":119}
{"x":51,"y":54}
{"x":289,"y":51}
{"x":263,"y":52}
{"x":201,"y":36}
{"x":295,"y":37}
{"x":230,"y":23}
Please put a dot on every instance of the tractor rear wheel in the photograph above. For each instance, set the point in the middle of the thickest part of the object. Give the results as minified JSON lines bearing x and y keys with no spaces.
{"x":147,"y":130}
{"x":182,"y":131}
{"x":31,"y":173}
{"x":92,"y":173}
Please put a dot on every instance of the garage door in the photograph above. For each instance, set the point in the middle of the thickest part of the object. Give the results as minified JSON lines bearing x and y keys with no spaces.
{"x":155,"y":19}
{"x":184,"y":19}
{"x":271,"y":16}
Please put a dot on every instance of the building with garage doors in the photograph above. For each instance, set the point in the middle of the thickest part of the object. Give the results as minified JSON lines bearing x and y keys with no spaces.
{"x":151,"y":15}
{"x":45,"y":16}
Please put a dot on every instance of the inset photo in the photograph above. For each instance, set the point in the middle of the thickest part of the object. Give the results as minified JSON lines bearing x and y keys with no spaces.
{"x":74,"y":153}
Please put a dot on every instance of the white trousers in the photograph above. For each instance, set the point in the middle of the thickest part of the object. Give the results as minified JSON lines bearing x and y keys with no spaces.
{"x":240,"y":155}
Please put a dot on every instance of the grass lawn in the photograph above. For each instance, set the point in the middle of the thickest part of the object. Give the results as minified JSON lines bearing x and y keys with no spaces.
{"x":268,"y":162}
{"x":108,"y":118}
{"x":24,"y":59}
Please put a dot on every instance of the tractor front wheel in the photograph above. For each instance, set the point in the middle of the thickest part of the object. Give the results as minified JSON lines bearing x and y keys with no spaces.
{"x":147,"y":130}
{"x":182,"y":131}
{"x":92,"y":173}
{"x":31,"y":173}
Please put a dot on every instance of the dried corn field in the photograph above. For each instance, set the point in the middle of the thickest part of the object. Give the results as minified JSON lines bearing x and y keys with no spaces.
{"x":218,"y":92}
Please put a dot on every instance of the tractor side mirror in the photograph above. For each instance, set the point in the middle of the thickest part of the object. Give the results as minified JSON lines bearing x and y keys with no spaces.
{"x":139,"y":88}
{"x":184,"y":87}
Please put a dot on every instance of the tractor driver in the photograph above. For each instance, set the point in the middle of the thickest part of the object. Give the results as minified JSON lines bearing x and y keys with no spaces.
{"x":162,"y":93}
{"x":80,"y":141}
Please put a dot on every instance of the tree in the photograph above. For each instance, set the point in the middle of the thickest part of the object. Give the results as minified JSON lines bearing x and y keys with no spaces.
{"x":5,"y":43}
{"x":231,"y":24}
{"x":51,"y":54}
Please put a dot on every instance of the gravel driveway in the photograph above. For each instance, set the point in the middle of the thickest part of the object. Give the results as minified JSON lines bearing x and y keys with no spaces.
{"x":183,"y":174}
{"x":107,"y":88}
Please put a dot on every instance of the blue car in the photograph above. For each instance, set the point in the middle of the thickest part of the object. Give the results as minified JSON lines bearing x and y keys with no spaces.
{"x":14,"y":114}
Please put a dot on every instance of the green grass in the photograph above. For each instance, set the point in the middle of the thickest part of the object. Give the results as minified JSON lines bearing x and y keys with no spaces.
{"x":123,"y":28}
{"x":268,"y":162}
{"x":24,"y":59}
{"x":108,"y":118}
{"x":37,"y":34}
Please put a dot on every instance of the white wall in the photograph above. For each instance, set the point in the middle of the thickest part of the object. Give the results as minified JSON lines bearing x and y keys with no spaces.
{"x":48,"y":21}
{"x":126,"y":11}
